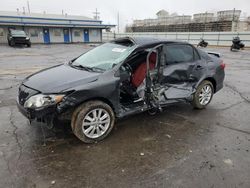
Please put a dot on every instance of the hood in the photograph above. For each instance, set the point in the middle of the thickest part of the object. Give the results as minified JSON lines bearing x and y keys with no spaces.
{"x":59,"y":78}
{"x":16,"y":35}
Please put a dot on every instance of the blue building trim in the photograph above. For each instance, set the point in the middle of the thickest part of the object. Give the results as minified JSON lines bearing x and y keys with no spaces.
{"x":57,"y":24}
{"x":55,"y":19}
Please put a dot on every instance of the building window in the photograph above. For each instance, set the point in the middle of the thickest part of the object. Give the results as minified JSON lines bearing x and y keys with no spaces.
{"x":77,"y":33}
{"x":57,"y":33}
{"x":94,"y":33}
{"x":33,"y":32}
{"x":1,"y":32}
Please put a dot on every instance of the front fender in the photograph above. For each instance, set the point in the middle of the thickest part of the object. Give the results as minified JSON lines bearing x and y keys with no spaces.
{"x":103,"y":88}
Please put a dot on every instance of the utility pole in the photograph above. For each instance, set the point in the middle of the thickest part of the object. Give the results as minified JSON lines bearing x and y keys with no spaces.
{"x":28,"y":5}
{"x":118,"y":23}
{"x":233,"y":14}
{"x":96,"y":14}
{"x":205,"y":22}
{"x":23,"y":10}
{"x":236,"y":24}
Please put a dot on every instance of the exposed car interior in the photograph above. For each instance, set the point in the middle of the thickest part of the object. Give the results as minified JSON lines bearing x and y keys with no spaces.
{"x":133,"y":74}
{"x":166,"y":80}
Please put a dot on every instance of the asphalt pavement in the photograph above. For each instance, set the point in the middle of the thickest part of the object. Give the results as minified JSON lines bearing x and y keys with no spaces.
{"x":180,"y":147}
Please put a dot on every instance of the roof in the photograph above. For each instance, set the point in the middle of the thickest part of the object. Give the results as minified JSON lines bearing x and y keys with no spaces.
{"x":45,"y":15}
{"x":162,"y":12}
{"x":52,"y":20}
{"x":141,"y":41}
{"x":145,"y":41}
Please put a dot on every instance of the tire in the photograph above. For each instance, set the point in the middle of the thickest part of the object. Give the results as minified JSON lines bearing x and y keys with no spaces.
{"x":231,"y":49}
{"x":152,"y":111}
{"x":12,"y":43}
{"x":197,"y":102}
{"x":84,"y":113}
{"x":28,"y":45}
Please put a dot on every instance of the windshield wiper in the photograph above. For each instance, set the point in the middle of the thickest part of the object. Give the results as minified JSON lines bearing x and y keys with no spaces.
{"x":90,"y":69}
{"x":97,"y":69}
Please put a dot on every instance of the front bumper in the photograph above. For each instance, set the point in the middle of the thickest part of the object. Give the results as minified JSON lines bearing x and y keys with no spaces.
{"x":21,"y":41}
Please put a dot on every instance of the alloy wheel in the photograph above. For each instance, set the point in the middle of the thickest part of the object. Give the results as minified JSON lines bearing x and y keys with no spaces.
{"x":96,"y":123}
{"x":205,"y":95}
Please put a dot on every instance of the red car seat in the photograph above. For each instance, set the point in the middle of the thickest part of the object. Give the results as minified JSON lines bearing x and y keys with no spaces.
{"x":140,"y":73}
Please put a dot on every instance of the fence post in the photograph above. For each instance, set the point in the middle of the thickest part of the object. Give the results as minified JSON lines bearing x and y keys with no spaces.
{"x":218,"y":41}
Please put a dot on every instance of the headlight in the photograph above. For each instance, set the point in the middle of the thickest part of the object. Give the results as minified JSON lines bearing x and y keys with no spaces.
{"x":41,"y":100}
{"x":27,"y":38}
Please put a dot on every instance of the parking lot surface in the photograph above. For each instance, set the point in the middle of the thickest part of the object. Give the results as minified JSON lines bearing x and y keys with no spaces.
{"x":180,"y":147}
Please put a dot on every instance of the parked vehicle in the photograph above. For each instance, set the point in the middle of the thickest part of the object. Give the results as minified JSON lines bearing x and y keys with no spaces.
{"x":202,"y":43}
{"x":18,"y":37}
{"x":237,"y":44}
{"x":120,"y":78}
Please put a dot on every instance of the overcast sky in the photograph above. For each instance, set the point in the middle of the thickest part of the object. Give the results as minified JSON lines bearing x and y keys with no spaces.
{"x":128,"y":9}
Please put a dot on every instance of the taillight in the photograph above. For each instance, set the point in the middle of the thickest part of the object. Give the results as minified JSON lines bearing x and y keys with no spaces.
{"x":222,"y":65}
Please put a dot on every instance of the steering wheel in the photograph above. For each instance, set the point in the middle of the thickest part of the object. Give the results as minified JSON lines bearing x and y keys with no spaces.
{"x":126,"y":67}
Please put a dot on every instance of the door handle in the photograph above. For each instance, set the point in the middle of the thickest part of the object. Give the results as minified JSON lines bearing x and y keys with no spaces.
{"x":199,"y":67}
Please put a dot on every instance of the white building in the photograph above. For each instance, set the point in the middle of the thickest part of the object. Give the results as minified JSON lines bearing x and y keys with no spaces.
{"x":229,"y":15}
{"x":52,"y":28}
{"x":203,"y":17}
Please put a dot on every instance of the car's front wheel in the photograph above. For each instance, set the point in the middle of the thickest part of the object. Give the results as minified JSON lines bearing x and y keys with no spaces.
{"x":12,"y":43}
{"x":92,"y":121}
{"x":203,"y":95}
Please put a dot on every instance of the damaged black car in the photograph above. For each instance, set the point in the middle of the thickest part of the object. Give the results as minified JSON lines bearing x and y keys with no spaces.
{"x":120,"y":78}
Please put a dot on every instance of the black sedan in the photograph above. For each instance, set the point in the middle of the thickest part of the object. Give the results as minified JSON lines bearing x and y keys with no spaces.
{"x":119,"y":78}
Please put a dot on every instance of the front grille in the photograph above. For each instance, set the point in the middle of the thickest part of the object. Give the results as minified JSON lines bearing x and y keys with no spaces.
{"x":20,"y":39}
{"x":24,"y":93}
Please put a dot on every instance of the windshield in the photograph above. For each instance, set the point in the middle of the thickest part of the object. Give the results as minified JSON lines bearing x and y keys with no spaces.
{"x":18,"y":32}
{"x":103,"y":57}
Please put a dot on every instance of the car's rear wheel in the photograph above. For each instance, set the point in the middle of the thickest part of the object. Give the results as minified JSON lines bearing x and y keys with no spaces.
{"x":92,"y":121}
{"x":203,"y":95}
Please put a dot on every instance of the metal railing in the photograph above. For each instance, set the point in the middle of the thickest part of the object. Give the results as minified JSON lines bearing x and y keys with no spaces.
{"x":213,"y":38}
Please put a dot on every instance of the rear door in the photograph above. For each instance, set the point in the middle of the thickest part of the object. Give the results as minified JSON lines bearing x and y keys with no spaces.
{"x":183,"y":68}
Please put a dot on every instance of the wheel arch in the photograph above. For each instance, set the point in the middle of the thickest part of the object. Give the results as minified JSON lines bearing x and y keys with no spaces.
{"x":213,"y":81}
{"x":102,"y":99}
